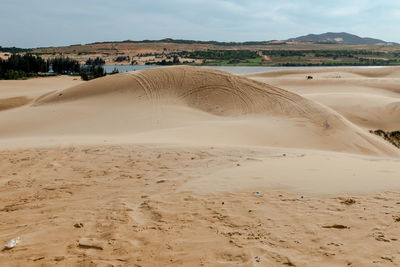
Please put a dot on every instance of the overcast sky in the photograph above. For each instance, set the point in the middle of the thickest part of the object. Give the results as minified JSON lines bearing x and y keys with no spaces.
{"x":35,"y":23}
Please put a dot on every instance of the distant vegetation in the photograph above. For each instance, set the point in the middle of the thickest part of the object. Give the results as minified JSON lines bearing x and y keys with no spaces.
{"x":20,"y":67}
{"x":191,"y":52}
{"x":91,"y":72}
{"x":174,"y":60}
{"x":331,"y":58}
{"x":220,"y":54}
{"x":93,"y":69}
{"x":95,"y":62}
{"x":214,"y":57}
{"x":392,"y":137}
{"x":280,"y":58}
{"x":122,"y":58}
{"x":65,"y":65}
{"x":13,"y":50}
{"x":336,"y":49}
{"x":27,"y":66}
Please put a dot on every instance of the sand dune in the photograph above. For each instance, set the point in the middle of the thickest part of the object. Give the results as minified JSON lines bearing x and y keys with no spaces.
{"x":371,"y":111}
{"x":368,"y":97}
{"x":190,"y":105}
{"x":379,"y":72}
{"x":33,"y":88}
{"x":208,"y":90}
{"x":13,"y":102}
{"x":184,"y":166}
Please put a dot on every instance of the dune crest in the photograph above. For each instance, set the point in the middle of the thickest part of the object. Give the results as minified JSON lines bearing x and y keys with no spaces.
{"x":212,"y":91}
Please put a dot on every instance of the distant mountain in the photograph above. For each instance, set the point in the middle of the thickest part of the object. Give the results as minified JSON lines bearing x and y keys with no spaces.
{"x":325,"y":38}
{"x":339,"y":38}
{"x":183,"y":41}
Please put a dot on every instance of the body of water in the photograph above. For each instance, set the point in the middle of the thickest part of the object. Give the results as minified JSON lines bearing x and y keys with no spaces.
{"x":231,"y":69}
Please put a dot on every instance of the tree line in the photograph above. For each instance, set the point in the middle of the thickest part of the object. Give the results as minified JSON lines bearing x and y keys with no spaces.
{"x":220,"y":54}
{"x":13,"y":50}
{"x":28,"y":65}
{"x":17,"y":66}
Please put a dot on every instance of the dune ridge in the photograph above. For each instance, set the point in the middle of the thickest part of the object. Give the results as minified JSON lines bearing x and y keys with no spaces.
{"x":212,"y":91}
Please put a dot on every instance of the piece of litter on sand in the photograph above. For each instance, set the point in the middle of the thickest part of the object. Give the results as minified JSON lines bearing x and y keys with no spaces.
{"x":257,"y":193}
{"x":336,"y":226}
{"x":91,"y":243}
{"x":13,"y":242}
{"x":161,"y":181}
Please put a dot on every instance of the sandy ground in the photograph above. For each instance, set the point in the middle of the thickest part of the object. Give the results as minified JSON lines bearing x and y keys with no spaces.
{"x":22,"y":92}
{"x":368,"y":97}
{"x":4,"y":55}
{"x":194,"y":167}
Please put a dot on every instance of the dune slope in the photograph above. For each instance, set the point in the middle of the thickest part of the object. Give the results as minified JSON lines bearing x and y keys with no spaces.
{"x":208,"y":90}
{"x":368,"y":97}
{"x":190,"y":105}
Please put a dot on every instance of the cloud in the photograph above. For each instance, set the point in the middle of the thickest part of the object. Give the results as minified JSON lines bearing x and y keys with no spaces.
{"x":345,"y":11}
{"x":29,"y":23}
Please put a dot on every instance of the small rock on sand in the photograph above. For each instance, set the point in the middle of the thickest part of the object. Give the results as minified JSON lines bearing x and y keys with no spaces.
{"x":349,"y":201}
{"x":78,"y":225}
{"x":59,"y":258}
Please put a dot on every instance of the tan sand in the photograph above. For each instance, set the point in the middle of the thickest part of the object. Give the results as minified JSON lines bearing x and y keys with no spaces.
{"x":190,"y":105}
{"x":14,"y":102}
{"x":183,"y":166}
{"x":4,"y":56}
{"x":33,"y":88}
{"x":368,"y":97}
